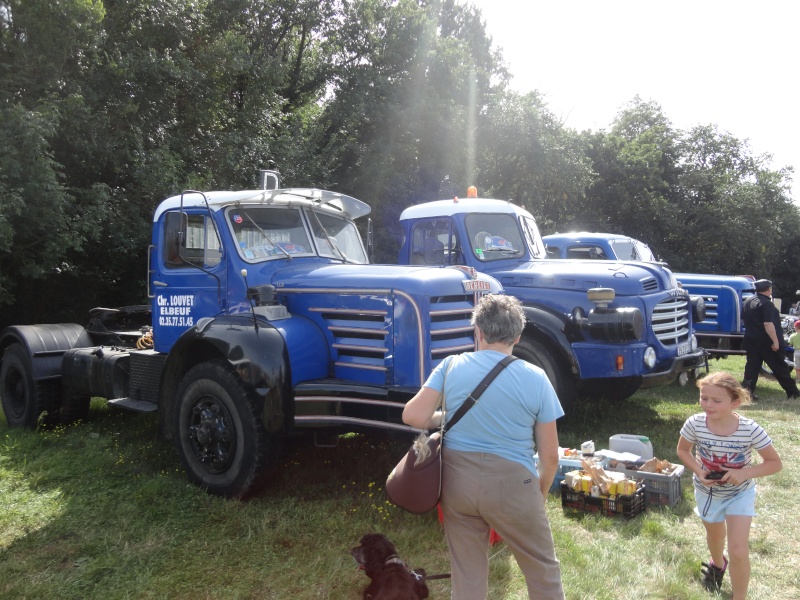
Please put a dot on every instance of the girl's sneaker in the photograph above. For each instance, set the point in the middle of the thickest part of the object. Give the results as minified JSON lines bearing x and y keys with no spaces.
{"x":712,"y":575}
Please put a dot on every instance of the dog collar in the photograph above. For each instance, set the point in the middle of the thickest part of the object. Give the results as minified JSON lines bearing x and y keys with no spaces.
{"x":394,"y":560}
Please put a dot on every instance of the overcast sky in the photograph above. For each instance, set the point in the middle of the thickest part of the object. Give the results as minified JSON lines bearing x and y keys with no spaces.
{"x":731,"y":63}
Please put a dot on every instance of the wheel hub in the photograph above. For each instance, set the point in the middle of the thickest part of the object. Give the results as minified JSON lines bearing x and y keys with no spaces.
{"x":211,"y":436}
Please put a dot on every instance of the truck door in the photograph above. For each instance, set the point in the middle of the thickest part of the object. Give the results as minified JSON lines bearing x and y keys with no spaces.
{"x":189,"y":276}
{"x":434,"y":242}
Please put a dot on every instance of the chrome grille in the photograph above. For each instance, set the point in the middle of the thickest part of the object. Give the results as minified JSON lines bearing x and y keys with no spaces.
{"x":451,"y":332}
{"x":670,"y":321}
{"x":712,"y":306}
{"x":650,"y":284}
{"x":360,"y":337}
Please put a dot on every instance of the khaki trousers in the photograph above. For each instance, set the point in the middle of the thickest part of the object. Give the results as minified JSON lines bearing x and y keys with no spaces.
{"x":481,"y":491}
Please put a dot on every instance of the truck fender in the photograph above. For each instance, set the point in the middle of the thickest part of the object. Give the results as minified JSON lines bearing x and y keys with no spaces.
{"x":260,"y":356}
{"x":46,"y":345}
{"x":552,"y":329}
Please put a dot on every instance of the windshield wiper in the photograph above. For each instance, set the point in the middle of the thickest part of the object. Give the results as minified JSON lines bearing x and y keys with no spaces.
{"x":266,"y":237}
{"x":331,"y":241}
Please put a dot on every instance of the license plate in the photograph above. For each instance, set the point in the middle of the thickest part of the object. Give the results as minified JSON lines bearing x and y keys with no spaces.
{"x":684,"y":349}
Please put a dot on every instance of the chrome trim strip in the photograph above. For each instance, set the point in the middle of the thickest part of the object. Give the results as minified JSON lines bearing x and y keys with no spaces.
{"x":453,"y":311}
{"x":361,"y":348}
{"x":382,"y":332}
{"x":452,"y":349}
{"x":327,"y":420}
{"x":420,"y":337}
{"x":349,"y":311}
{"x":358,"y":366}
{"x":349,"y":399}
{"x":451,"y":330}
{"x":349,"y":291}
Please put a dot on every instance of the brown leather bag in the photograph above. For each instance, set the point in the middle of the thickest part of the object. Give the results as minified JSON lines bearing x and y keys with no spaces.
{"x":416,"y":485}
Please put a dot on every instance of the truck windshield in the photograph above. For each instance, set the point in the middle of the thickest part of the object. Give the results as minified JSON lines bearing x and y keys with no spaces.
{"x":269,"y":232}
{"x":494,"y":236}
{"x":337,"y":238}
{"x":632,"y":250}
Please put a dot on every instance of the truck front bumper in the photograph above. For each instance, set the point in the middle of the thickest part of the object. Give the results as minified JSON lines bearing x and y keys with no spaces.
{"x":680,"y":364}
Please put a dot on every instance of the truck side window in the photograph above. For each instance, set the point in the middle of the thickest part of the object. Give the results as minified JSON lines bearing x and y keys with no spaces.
{"x":553,"y":252}
{"x":587,"y":253}
{"x":433,"y":242}
{"x":201,"y":246}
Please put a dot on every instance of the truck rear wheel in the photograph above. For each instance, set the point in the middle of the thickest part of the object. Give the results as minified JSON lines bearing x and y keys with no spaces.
{"x":537,"y":354}
{"x":219,"y":435}
{"x":23,"y":398}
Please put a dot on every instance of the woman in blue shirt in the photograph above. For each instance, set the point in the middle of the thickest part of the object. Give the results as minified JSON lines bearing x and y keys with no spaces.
{"x":489,"y":479}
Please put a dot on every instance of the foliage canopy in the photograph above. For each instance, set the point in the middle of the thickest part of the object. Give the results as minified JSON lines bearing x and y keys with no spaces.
{"x":106,"y":107}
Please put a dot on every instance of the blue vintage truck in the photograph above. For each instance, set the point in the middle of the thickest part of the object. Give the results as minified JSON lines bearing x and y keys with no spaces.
{"x":721,"y":332}
{"x":264,"y":319}
{"x":596,"y":328}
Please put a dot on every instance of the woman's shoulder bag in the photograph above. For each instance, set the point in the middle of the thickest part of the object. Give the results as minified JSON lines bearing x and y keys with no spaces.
{"x":415,"y":484}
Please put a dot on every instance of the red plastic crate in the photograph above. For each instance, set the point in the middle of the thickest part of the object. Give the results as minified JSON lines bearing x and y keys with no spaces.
{"x":620,"y":506}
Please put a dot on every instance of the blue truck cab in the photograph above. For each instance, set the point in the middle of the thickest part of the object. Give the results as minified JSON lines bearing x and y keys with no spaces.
{"x":597,"y":246}
{"x":596,"y":328}
{"x":721,"y":332}
{"x":265,"y":318}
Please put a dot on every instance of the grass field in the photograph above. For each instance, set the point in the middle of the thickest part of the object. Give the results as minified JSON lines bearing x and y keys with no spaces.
{"x":102,"y":510}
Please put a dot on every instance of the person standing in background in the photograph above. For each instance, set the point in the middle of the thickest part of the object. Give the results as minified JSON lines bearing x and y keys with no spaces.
{"x":794,"y":342}
{"x":763,"y":341}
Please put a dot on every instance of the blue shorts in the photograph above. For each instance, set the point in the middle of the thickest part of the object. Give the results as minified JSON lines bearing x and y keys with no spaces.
{"x":742,"y":504}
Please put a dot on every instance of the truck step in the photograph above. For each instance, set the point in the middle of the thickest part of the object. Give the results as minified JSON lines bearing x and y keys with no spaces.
{"x":131,"y":404}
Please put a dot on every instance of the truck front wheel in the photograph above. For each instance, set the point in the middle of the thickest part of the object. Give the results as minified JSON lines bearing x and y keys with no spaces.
{"x":25,"y":399}
{"x":218,"y":431}
{"x":537,"y":354}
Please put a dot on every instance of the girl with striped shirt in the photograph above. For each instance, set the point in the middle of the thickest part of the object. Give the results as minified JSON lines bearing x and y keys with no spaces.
{"x":723,"y":475}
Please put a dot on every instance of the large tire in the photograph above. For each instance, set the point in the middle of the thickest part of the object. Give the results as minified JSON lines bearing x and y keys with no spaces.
{"x":24,"y":399}
{"x":219,"y":434}
{"x":618,"y":388}
{"x":537,"y":354}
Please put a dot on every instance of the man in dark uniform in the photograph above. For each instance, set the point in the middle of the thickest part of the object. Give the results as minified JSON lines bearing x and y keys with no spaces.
{"x":763,"y":341}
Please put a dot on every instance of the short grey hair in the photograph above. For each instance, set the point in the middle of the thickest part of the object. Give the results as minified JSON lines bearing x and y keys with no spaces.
{"x":500,"y":318}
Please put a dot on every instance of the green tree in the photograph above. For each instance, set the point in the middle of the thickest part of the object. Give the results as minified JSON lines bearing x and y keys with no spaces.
{"x":526,"y":155}
{"x":637,"y":166}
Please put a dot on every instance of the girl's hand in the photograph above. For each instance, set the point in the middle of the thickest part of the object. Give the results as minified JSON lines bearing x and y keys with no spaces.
{"x":735,"y":477}
{"x":708,"y":482}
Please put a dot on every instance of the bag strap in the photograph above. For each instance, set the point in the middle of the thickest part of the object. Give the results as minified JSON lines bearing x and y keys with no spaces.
{"x":477,"y":392}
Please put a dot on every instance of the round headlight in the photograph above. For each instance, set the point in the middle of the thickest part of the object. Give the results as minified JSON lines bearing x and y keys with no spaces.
{"x":650,"y":357}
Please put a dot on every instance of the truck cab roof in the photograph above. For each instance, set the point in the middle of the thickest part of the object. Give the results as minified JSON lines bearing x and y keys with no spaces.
{"x":310,"y":197}
{"x":598,"y":246}
{"x":447,"y":208}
